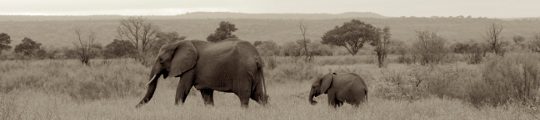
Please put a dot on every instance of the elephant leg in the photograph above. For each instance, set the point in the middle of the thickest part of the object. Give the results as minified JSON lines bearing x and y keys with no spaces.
{"x":208,"y":96}
{"x":244,"y":99}
{"x":332,"y":99}
{"x":184,"y":86}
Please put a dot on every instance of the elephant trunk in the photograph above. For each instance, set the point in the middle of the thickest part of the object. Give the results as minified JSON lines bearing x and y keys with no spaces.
{"x":152,"y":84}
{"x":312,"y":93}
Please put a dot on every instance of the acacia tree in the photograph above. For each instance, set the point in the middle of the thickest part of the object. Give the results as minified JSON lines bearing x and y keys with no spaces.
{"x":224,"y":31}
{"x":351,"y":35}
{"x":5,"y":40}
{"x":493,"y":37}
{"x":28,"y":47}
{"x":381,"y":45}
{"x":140,"y":32}
{"x":84,"y":46}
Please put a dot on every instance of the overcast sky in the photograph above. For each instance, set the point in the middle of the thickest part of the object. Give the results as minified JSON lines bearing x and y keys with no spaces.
{"x":391,"y":8}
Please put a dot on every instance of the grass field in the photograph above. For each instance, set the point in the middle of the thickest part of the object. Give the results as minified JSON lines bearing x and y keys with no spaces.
{"x":110,"y":89}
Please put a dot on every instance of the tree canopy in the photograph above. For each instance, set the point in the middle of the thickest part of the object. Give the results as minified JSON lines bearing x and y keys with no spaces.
{"x":351,"y":35}
{"x":28,"y":47}
{"x":224,"y":31}
{"x":5,"y":40}
{"x":119,"y":48}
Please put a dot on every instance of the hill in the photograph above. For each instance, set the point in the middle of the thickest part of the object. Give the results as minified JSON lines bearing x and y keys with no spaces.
{"x":59,"y":33}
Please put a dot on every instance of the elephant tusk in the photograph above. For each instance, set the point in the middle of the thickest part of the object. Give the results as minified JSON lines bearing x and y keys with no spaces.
{"x":153,"y":78}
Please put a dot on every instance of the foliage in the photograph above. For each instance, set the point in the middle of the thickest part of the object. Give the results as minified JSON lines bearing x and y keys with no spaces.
{"x":267,"y":48}
{"x":5,"y":40}
{"x":224,"y":31}
{"x":510,"y":79}
{"x":351,"y":35}
{"x":295,"y":49}
{"x":430,"y":48}
{"x":291,"y":49}
{"x":535,"y":43}
{"x":119,"y":49}
{"x":473,"y":51}
{"x":422,"y":82}
{"x":28,"y":47}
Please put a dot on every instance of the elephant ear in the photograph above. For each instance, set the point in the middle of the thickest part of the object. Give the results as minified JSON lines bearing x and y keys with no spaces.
{"x":184,"y":58}
{"x":326,"y":82}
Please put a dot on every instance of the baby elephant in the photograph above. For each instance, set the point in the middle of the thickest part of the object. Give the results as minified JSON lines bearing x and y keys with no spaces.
{"x":340,"y":87}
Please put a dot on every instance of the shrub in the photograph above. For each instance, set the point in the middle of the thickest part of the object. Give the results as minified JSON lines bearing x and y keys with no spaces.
{"x":267,"y":48}
{"x":514,"y":78}
{"x":299,"y":71}
{"x":430,"y":48}
{"x":421,"y":82}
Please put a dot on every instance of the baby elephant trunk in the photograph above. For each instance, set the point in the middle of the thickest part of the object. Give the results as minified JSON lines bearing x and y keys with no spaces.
{"x":313,"y":93}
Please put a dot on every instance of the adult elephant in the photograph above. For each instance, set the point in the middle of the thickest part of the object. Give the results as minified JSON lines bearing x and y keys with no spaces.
{"x":340,"y":87}
{"x":232,"y":66}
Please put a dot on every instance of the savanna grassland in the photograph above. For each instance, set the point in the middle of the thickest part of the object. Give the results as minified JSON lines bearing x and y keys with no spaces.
{"x":110,"y":89}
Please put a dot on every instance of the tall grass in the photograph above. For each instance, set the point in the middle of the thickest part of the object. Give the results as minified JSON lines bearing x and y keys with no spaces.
{"x":103,"y":79}
{"x":109,"y":89}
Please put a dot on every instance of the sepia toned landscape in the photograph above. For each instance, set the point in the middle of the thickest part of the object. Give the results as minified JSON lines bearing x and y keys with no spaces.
{"x":414,"y":67}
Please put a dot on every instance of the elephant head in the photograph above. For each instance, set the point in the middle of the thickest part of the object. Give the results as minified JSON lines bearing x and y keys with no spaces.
{"x":320,"y":86}
{"x":173,"y":60}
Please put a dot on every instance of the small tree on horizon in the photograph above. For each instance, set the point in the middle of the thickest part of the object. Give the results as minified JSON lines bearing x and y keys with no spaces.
{"x":224,"y":31}
{"x":5,"y":40}
{"x":351,"y":35}
{"x":493,"y":37}
{"x":28,"y":47}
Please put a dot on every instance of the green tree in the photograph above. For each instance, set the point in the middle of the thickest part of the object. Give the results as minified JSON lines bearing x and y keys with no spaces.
{"x":351,"y":35}
{"x":5,"y":40}
{"x":28,"y":47}
{"x":224,"y":31}
{"x":119,"y":48}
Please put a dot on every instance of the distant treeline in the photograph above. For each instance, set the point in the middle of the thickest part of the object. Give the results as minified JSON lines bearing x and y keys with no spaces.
{"x":56,"y":33}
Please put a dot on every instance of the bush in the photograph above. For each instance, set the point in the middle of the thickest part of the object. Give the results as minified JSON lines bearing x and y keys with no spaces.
{"x":299,"y":71}
{"x":421,"y":82}
{"x":267,"y":48}
{"x":514,"y":78}
{"x":430,"y":48}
